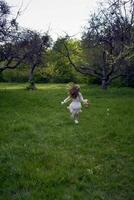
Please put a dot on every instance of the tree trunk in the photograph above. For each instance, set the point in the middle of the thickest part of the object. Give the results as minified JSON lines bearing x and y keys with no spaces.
{"x":31,"y":79}
{"x":104,"y":84}
{"x":31,"y":73}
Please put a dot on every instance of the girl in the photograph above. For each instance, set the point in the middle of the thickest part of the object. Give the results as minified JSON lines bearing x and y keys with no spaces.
{"x":75,"y":107}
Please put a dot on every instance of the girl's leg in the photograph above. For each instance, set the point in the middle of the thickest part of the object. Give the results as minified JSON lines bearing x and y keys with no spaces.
{"x":76,"y":118}
{"x":72,"y":115}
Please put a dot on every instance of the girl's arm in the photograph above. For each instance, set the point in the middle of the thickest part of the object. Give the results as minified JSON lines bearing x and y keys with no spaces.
{"x":66,"y":100}
{"x":81,"y":97}
{"x":84,"y":101}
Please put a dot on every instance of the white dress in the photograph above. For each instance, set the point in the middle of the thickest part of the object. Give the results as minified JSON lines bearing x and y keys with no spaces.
{"x":75,"y":106}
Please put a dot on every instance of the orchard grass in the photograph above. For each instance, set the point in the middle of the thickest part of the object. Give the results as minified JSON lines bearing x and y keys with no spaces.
{"x":45,"y":156}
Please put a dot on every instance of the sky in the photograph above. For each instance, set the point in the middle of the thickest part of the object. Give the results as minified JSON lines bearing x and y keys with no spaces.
{"x":57,"y":16}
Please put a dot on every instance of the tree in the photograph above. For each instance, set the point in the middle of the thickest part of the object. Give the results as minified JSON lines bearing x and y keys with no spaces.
{"x":112,"y":29}
{"x":59,"y":68}
{"x":8,"y":25}
{"x":109,"y":36}
{"x":19,"y":46}
{"x":35,"y":46}
{"x":9,"y":56}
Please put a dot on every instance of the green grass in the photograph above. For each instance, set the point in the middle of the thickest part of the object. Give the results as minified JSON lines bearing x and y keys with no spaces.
{"x":45,"y":156}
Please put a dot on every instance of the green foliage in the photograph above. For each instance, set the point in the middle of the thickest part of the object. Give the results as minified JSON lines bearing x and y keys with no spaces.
{"x":17,"y":75}
{"x":45,"y":156}
{"x":55,"y":66}
{"x":59,"y":68}
{"x":1,"y":77}
{"x":94,"y":57}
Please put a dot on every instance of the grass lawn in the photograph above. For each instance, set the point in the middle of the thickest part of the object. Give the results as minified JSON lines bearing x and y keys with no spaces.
{"x":45,"y":156}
